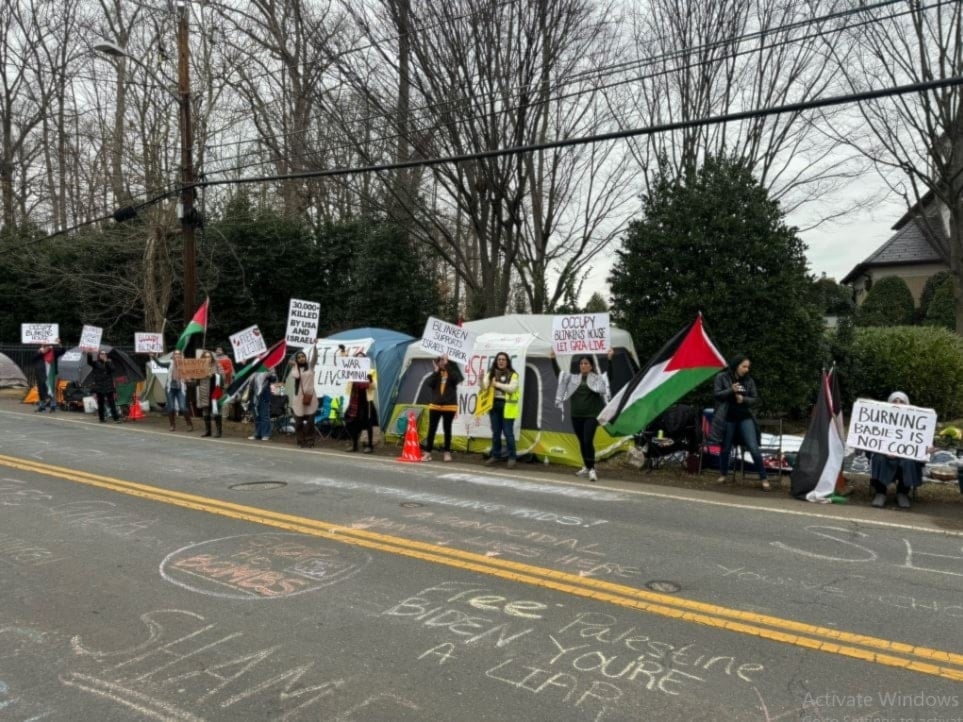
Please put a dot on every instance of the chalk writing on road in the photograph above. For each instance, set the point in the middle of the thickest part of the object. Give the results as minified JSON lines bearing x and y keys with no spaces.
{"x":262,"y":566}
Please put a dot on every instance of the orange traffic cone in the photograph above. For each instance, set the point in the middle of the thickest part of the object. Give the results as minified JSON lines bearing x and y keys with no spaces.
{"x":412,"y":447}
{"x":136,"y":412}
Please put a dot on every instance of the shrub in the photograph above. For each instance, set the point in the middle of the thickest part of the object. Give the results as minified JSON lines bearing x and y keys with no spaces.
{"x":888,"y":303}
{"x":924,"y":361}
{"x":941,"y":309}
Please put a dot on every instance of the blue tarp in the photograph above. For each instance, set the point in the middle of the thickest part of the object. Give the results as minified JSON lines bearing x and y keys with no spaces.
{"x":387,"y":354}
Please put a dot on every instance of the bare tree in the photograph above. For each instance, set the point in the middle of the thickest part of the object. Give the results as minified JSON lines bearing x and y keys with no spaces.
{"x":916,"y":138}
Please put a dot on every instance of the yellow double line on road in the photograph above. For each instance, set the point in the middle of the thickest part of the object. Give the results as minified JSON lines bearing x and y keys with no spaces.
{"x":786,"y":631}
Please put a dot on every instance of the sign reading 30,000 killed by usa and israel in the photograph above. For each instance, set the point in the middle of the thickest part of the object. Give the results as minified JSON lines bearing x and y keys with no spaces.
{"x":892,"y":429}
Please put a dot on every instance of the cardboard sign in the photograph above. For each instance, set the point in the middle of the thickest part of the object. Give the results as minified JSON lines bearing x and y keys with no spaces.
{"x":247,"y":344}
{"x":145,"y":342}
{"x":892,"y":429}
{"x":302,"y":323}
{"x":194,"y":368}
{"x":441,"y":337}
{"x":581,"y":333}
{"x":90,"y":338}
{"x":353,"y":368}
{"x":42,"y":333}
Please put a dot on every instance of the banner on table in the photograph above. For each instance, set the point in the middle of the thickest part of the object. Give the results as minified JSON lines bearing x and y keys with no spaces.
{"x":247,"y":344}
{"x":42,"y":333}
{"x":302,"y":323}
{"x":441,"y":337}
{"x":90,"y":338}
{"x":581,"y":333}
{"x":146,"y":342}
{"x":892,"y":429}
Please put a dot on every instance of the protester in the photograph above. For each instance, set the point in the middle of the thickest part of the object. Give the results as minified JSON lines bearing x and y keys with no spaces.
{"x":733,"y":421}
{"x":210,"y":390}
{"x":884,"y":470}
{"x":587,"y":393}
{"x":502,"y":377}
{"x":102,"y":383}
{"x":45,"y":362}
{"x":261,"y":395}
{"x":360,"y":415}
{"x":176,"y":389}
{"x":227,"y":366}
{"x":444,"y":403}
{"x":304,"y":404}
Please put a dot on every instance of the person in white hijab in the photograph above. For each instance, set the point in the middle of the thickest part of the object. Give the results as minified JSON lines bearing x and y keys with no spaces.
{"x":884,"y":470}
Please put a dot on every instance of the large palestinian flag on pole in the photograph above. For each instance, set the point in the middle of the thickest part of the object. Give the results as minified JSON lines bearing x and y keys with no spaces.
{"x":259,"y":364}
{"x":197,"y":325}
{"x":820,"y":459}
{"x":683,"y":363}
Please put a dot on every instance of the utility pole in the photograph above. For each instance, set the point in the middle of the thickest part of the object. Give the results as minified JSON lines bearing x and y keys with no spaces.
{"x":188,"y":214}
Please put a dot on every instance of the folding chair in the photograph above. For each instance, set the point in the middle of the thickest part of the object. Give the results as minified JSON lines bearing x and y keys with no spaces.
{"x":328,"y":421}
{"x":282,"y":418}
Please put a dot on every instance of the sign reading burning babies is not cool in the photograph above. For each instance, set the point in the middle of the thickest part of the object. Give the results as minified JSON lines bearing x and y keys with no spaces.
{"x":892,"y":429}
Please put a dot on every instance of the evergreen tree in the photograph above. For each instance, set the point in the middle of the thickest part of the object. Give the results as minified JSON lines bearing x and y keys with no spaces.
{"x":713,"y":241}
{"x":888,"y":303}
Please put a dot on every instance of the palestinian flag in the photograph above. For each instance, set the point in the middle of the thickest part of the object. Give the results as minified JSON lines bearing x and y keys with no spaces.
{"x":683,"y":363}
{"x":259,"y":364}
{"x":820,"y":459}
{"x":197,"y":325}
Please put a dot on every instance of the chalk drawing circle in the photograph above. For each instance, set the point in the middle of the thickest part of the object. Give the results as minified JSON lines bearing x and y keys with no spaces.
{"x":410,"y":505}
{"x":661,"y":585}
{"x":257,"y":485}
{"x":262,"y":566}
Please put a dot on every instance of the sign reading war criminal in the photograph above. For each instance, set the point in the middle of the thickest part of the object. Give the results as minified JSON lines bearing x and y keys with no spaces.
{"x":441,"y":337}
{"x":892,"y":429}
{"x":354,"y":369}
{"x":580,"y":333}
{"x":302,"y":323}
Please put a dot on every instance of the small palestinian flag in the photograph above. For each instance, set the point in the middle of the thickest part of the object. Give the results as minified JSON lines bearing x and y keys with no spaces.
{"x":197,"y":325}
{"x":820,"y":459}
{"x":259,"y":364}
{"x":683,"y":363}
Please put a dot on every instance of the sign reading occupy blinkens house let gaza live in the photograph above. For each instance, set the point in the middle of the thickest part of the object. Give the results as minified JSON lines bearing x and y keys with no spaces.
{"x":580,"y":333}
{"x":892,"y":429}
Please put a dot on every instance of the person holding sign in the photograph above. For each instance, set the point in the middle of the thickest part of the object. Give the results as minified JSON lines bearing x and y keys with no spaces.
{"x":884,"y":470}
{"x":360,"y":413}
{"x":210,"y":390}
{"x":45,"y":364}
{"x":588,"y":392}
{"x":176,"y":390}
{"x":502,"y":377}
{"x":444,"y":402}
{"x":304,"y":403}
{"x":733,"y":421}
{"x":102,"y":383}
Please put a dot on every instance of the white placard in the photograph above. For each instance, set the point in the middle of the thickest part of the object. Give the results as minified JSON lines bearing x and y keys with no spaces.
{"x":90,"y":338}
{"x":892,"y":429}
{"x":441,"y":337}
{"x":42,"y":333}
{"x":247,"y":344}
{"x":353,"y":368}
{"x":327,"y":376}
{"x":146,"y":342}
{"x":302,"y":323}
{"x":581,"y":333}
{"x":487,"y":346}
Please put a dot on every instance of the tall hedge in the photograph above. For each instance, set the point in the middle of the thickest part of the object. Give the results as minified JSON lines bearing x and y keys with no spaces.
{"x":924,"y":361}
{"x":888,"y":303}
{"x":941,"y":308}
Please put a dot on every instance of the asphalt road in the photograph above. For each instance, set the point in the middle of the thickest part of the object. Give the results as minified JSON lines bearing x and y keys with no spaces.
{"x":149,"y":575}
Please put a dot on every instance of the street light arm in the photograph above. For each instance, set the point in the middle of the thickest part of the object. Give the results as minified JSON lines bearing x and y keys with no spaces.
{"x":114,"y":51}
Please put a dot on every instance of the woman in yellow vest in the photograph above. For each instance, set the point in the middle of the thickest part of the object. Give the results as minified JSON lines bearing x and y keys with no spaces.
{"x":504,"y":411}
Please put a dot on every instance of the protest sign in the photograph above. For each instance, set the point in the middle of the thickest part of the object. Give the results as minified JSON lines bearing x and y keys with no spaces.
{"x":194,"y":368}
{"x":247,"y":344}
{"x":145,"y":342}
{"x":892,"y":429}
{"x":581,"y":333}
{"x":90,"y":338}
{"x":327,"y":375}
{"x":42,"y":333}
{"x":353,"y":368}
{"x":441,"y":337}
{"x":484,"y":350}
{"x":302,"y":323}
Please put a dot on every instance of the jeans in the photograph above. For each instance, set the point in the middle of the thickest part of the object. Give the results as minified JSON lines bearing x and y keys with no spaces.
{"x":584,"y":428}
{"x":747,"y":433}
{"x":175,"y":400}
{"x":501,"y":425}
{"x":262,"y":424}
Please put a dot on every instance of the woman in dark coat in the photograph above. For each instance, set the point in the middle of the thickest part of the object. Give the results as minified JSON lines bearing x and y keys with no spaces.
{"x":733,"y":421}
{"x":102,"y":383}
{"x":444,"y":403}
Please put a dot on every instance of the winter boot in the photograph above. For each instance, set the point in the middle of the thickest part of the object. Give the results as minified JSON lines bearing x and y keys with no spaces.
{"x":171,"y":417}
{"x":217,"y":425}
{"x":187,"y":418}
{"x":207,"y":426}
